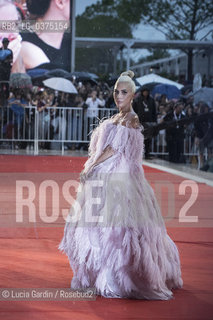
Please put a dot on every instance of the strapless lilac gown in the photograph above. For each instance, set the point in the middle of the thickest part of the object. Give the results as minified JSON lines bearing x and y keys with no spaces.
{"x":115,"y":237}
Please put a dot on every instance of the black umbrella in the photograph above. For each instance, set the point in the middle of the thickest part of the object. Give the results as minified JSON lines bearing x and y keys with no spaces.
{"x":84,"y":77}
{"x":38,"y":75}
{"x":58,"y":73}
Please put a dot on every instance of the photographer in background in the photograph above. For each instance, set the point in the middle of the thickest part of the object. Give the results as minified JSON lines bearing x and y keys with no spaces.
{"x":6,"y":61}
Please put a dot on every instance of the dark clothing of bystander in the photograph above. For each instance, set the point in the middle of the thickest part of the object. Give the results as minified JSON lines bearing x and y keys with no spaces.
{"x":175,"y":137}
{"x":145,"y":108}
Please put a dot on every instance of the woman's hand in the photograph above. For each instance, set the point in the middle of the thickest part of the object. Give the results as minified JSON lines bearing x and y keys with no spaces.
{"x":107,"y":153}
{"x":84,"y":174}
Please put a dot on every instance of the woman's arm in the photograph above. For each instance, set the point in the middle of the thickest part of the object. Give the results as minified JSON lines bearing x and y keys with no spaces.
{"x":106,"y":154}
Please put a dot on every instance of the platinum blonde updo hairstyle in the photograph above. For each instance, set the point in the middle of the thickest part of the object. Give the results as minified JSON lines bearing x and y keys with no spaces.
{"x":126,"y":77}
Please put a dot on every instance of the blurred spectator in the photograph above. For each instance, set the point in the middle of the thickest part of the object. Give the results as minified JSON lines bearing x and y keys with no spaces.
{"x":93,"y":104}
{"x":59,"y":128}
{"x":189,"y":130}
{"x":17,"y":104}
{"x":182,"y":106}
{"x":144,"y":106}
{"x":160,"y":116}
{"x":175,"y":134}
{"x":196,"y":109}
{"x":6,"y":60}
{"x":82,"y":90}
{"x":43,"y":118}
{"x":110,"y":103}
{"x":77,"y":121}
{"x":169,"y":106}
{"x":203,"y":133}
{"x":163,"y":99}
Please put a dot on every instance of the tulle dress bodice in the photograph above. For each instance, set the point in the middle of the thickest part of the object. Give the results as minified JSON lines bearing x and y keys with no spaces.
{"x":126,"y":141}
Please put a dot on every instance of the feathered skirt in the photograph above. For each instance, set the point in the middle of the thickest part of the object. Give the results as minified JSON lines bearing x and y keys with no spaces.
{"x":115,"y":236}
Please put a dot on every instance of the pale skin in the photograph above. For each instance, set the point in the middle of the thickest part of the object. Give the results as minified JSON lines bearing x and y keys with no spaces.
{"x":123,"y":96}
{"x":31,"y":54}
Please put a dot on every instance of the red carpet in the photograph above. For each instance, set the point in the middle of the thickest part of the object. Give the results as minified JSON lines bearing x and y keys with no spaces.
{"x":30,"y":258}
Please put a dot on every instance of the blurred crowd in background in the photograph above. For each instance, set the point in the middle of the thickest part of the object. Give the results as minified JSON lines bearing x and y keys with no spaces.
{"x":92,"y":101}
{"x":64,"y":110}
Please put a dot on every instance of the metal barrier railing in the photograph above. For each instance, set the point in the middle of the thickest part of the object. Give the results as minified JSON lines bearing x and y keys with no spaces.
{"x":63,"y":125}
{"x":55,"y":125}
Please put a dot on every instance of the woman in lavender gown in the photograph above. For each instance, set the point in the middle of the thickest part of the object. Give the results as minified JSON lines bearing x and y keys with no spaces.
{"x":115,"y":236}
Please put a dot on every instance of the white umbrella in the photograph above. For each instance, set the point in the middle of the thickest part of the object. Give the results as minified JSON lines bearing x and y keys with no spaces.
{"x":60,"y":84}
{"x":152,"y":77}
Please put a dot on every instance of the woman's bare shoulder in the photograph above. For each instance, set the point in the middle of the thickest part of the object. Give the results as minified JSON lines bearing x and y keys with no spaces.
{"x":32,"y":55}
{"x":130,"y":120}
{"x":133,"y":120}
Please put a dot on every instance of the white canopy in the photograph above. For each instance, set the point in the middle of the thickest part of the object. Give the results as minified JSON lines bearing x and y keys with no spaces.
{"x":152,"y":77}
